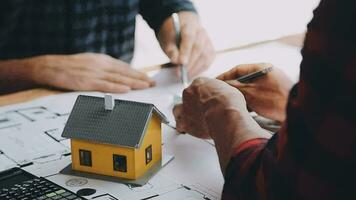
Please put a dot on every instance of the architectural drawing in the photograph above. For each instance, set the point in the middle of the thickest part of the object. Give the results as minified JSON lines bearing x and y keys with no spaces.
{"x":30,"y":137}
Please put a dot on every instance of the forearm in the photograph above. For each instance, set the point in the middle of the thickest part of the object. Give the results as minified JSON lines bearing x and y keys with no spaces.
{"x":15,"y":75}
{"x":242,"y":128}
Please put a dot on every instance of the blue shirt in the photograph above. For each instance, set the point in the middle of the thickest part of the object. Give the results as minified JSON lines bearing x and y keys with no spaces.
{"x":38,"y":27}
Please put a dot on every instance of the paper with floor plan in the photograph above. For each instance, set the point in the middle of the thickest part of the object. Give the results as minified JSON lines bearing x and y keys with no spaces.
{"x":36,"y":145}
{"x":30,"y":136}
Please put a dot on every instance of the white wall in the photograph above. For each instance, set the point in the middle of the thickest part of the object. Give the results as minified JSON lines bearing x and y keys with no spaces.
{"x":232,"y":23}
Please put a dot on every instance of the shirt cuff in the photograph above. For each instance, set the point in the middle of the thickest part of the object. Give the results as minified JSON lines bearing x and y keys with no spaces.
{"x":168,"y":10}
{"x":242,"y":155}
{"x":248,"y":144}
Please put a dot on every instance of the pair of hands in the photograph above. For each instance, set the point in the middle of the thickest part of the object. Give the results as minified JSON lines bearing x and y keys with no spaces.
{"x":217,"y":109}
{"x":100,"y":72}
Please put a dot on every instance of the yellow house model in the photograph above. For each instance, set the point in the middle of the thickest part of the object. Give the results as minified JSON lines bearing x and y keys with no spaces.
{"x":114,"y":137}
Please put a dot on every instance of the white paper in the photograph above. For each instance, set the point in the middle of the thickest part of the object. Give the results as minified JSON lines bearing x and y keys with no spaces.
{"x":6,"y":163}
{"x":159,"y":187}
{"x":25,"y":145}
{"x":31,"y":132}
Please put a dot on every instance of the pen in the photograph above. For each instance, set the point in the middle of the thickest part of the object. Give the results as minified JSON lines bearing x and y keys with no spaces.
{"x":183,"y":69}
{"x":253,"y":75}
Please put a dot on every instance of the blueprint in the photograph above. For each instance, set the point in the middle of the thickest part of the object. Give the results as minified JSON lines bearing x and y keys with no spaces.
{"x":30,"y":137}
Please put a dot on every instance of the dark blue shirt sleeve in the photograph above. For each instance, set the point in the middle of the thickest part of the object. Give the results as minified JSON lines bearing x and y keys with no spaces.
{"x":156,"y":11}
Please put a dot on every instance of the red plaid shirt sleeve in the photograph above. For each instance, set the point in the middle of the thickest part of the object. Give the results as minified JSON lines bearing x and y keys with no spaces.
{"x":313,"y":156}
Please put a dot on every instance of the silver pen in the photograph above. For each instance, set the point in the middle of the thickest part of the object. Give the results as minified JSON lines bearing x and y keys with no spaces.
{"x":253,"y":75}
{"x":183,"y":69}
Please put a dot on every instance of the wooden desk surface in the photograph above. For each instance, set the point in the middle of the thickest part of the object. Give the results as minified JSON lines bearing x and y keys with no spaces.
{"x":27,"y":95}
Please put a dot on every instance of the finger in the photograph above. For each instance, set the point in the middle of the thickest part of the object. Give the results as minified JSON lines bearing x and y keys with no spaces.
{"x":120,"y":67}
{"x":193,"y":89}
{"x":172,"y":52}
{"x":177,"y":112}
{"x":248,"y":90}
{"x":241,"y":70}
{"x":235,"y":72}
{"x":203,"y":62}
{"x":109,"y":64}
{"x":124,"y":69}
{"x":199,"y":81}
{"x":236,"y":84}
{"x":198,"y":66}
{"x":105,"y":86}
{"x":180,"y":126}
{"x":192,"y":127}
{"x":245,"y":88}
{"x":132,"y":83}
{"x":188,"y":95}
{"x":186,"y":45}
{"x":197,"y":51}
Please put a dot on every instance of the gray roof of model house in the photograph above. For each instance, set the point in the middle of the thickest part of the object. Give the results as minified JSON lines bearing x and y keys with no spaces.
{"x":125,"y":125}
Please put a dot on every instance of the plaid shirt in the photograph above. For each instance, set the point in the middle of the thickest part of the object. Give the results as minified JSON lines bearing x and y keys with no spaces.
{"x":314,"y":154}
{"x":37,"y":27}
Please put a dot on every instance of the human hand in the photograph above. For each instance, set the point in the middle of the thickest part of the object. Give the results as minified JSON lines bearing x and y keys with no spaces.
{"x":212,"y":108}
{"x":195,"y":51}
{"x":86,"y":71}
{"x":266,"y":95}
{"x":191,"y":114}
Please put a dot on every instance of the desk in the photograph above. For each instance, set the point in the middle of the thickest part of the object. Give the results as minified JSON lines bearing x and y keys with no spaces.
{"x":196,"y":164}
{"x":23,"y":96}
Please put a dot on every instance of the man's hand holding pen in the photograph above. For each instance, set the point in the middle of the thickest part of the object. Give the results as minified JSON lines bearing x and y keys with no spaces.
{"x":267,"y":95}
{"x":195,"y":49}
